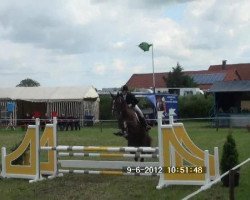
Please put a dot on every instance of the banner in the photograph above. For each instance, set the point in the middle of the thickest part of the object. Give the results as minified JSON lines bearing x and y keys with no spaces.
{"x":167,"y":103}
{"x":163,"y":102}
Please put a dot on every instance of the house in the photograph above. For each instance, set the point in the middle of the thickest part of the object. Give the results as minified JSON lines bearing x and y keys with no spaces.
{"x":146,"y":80}
{"x":204,"y":78}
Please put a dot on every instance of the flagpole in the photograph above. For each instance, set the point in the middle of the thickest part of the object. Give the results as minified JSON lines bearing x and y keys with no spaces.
{"x":145,"y":47}
{"x":153,"y":66}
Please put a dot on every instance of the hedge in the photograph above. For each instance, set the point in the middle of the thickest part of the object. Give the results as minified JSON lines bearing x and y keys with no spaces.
{"x":105,"y":107}
{"x":192,"y":106}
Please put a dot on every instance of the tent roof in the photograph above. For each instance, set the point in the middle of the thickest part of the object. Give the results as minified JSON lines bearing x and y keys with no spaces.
{"x":48,"y":93}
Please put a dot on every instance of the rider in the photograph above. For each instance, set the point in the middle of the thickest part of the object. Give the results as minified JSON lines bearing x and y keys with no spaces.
{"x":132,"y":103}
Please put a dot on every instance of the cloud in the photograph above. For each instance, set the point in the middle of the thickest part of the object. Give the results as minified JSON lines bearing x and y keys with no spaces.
{"x":138,"y":69}
{"x":85,"y":42}
{"x":99,"y":69}
{"x":119,"y":65}
{"x":217,"y":23}
{"x":118,"y":45}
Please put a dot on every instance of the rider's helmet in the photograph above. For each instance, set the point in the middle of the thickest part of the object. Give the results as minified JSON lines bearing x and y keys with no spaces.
{"x":124,"y":88}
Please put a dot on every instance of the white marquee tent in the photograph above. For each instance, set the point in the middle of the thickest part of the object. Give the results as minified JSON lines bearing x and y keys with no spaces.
{"x":41,"y":94}
{"x":71,"y":101}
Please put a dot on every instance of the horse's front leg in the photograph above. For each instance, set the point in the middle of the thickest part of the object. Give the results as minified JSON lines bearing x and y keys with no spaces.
{"x":125,"y":129}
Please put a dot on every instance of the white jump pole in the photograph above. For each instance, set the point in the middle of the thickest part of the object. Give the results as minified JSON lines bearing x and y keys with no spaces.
{"x":3,"y":173}
{"x":37,"y":149}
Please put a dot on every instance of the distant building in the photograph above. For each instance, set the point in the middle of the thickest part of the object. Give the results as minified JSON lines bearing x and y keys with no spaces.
{"x":180,"y":91}
{"x":146,"y":80}
{"x":108,"y":91}
{"x":232,"y":103}
{"x":204,"y":78}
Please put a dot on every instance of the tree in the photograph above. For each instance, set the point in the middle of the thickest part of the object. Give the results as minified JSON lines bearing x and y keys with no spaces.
{"x":177,"y":78}
{"x":105,"y":107}
{"x":28,"y":83}
{"x":229,"y":154}
{"x":229,"y":160}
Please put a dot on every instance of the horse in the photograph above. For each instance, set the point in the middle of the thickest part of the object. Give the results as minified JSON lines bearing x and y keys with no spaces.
{"x":138,"y":136}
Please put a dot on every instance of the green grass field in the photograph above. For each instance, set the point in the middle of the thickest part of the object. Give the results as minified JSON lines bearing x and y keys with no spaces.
{"x":103,"y":187}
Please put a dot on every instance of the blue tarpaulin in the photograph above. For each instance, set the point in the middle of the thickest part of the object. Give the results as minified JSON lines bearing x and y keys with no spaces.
{"x":152,"y":99}
{"x":10,"y":106}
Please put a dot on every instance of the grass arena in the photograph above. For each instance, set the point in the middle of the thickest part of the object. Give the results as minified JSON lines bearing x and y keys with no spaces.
{"x":109,"y":186}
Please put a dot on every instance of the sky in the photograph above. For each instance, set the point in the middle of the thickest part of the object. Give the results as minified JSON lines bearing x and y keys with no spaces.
{"x":95,"y":42}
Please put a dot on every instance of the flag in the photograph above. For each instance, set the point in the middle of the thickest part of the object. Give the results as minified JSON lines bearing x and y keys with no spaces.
{"x":145,"y":46}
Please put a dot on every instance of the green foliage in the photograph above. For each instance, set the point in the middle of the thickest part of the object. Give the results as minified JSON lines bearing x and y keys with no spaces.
{"x":195,"y":106}
{"x":177,"y":78}
{"x":144,"y":103}
{"x":28,"y":83}
{"x":229,"y":154}
{"x":105,"y":107}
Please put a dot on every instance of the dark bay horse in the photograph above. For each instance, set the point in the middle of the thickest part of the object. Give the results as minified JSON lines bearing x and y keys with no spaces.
{"x":137,"y":134}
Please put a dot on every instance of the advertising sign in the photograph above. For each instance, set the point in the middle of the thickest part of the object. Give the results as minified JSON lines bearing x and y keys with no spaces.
{"x":167,"y":103}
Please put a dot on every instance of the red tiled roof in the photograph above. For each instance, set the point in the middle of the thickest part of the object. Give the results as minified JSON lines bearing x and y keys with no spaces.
{"x":146,"y":80}
{"x":229,"y":66}
{"x":232,"y":71}
{"x":241,"y":71}
{"x":231,"y":75}
{"x":244,"y":73}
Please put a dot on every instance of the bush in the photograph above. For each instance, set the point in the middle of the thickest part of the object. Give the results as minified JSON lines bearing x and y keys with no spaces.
{"x":105,"y":107}
{"x":229,"y":154}
{"x":229,"y":160}
{"x":195,"y":106}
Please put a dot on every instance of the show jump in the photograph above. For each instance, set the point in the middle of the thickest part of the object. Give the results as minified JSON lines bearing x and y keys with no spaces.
{"x":178,"y":161}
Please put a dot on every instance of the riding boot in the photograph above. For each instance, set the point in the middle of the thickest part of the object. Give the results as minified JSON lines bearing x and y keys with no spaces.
{"x":144,"y":123}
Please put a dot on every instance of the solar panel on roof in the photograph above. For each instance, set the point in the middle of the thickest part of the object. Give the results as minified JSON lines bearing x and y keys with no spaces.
{"x":208,"y":78}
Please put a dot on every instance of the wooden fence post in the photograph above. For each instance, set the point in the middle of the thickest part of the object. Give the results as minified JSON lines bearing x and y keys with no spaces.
{"x":231,"y":184}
